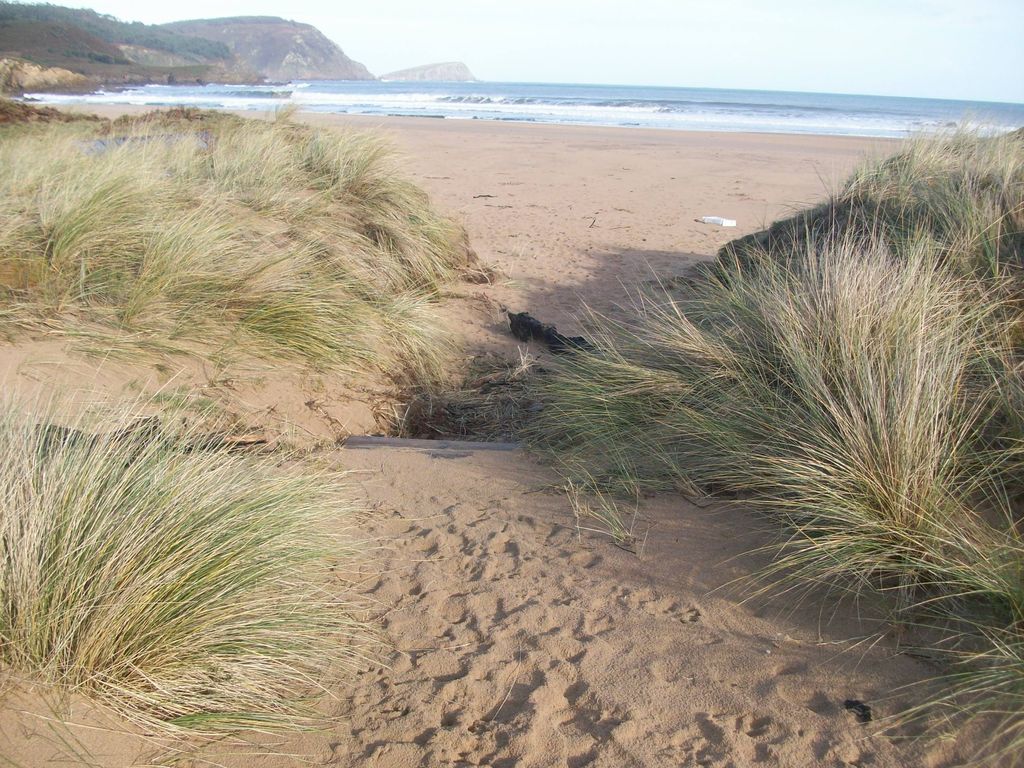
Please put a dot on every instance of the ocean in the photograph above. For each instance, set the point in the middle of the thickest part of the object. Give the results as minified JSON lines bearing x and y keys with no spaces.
{"x":687,"y":109}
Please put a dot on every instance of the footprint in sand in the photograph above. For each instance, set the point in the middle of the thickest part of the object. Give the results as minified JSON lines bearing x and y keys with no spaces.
{"x":584,"y":559}
{"x":660,"y":607}
{"x":719,"y":740}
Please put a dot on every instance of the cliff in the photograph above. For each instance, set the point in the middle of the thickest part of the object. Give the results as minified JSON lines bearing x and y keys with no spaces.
{"x":79,"y":49}
{"x":449,"y":71}
{"x":276,"y":48}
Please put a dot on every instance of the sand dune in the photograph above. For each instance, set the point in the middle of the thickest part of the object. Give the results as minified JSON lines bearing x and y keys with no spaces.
{"x":515,"y":639}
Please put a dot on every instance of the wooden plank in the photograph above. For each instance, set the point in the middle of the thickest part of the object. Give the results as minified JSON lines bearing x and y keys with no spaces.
{"x":370,"y":441}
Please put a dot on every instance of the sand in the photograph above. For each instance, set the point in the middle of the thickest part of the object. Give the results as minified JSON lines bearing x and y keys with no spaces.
{"x":571,"y":215}
{"x":513,"y":638}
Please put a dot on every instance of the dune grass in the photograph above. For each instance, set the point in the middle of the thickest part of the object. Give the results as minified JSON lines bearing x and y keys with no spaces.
{"x":857,"y":373}
{"x":597,"y":512}
{"x":211,"y":233}
{"x":185,"y":588}
{"x":959,"y":192}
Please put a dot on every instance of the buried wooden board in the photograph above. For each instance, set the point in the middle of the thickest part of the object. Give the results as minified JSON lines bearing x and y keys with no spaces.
{"x":370,"y":441}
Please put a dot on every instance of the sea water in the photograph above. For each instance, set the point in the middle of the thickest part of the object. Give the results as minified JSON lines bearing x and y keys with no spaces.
{"x":703,"y":109}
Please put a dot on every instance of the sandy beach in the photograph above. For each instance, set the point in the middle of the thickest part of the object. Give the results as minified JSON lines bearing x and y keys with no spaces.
{"x":513,"y":638}
{"x":574,"y":215}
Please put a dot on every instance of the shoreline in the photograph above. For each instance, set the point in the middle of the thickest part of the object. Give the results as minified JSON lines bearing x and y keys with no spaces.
{"x":116,"y":110}
{"x":675,"y":109}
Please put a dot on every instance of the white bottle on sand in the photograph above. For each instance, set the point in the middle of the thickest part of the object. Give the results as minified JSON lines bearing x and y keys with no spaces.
{"x":718,"y":220}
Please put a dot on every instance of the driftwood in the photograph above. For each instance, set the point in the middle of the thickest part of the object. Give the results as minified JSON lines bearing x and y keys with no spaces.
{"x":54,"y":437}
{"x":374,"y":441}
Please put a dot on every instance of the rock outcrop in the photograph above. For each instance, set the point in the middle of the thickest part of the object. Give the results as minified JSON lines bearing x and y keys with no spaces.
{"x":448,"y":71}
{"x":276,"y":48}
{"x":23,"y":76}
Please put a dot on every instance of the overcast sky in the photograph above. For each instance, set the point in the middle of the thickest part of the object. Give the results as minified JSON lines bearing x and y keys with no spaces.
{"x":966,"y":49}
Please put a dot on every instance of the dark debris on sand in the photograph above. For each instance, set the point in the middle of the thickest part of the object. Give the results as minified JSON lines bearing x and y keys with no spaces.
{"x":860,"y":710}
{"x":526,"y":327}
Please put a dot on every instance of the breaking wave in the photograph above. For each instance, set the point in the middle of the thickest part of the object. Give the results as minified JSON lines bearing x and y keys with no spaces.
{"x":671,"y":108}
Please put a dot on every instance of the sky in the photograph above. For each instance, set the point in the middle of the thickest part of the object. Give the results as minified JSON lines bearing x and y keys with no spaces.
{"x":958,"y":49}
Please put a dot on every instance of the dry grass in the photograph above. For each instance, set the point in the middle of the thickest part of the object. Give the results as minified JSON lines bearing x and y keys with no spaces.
{"x":597,"y":512}
{"x":19,"y":113}
{"x":494,"y":401}
{"x":216,"y":235}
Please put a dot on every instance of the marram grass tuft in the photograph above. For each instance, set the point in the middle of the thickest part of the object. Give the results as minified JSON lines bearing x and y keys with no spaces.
{"x":188,"y":589}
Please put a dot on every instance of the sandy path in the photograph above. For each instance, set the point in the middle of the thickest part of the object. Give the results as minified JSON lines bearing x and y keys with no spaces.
{"x":518,"y":642}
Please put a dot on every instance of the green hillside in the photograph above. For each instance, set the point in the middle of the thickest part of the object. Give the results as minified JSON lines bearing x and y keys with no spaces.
{"x":55,"y":45}
{"x":107,"y":29}
{"x":108,"y":51}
